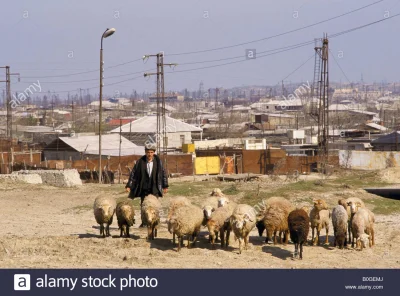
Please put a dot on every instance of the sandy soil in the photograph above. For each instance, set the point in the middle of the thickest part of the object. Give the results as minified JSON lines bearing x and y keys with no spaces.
{"x":47,"y":227}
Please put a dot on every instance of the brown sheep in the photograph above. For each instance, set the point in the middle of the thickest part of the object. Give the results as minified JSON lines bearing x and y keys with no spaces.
{"x":319,"y":218}
{"x":275,"y":219}
{"x":219,"y":223}
{"x":125,"y":216}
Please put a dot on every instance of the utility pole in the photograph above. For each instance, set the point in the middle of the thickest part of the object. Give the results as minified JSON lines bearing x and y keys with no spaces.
{"x":323,"y":114}
{"x":161,"y":131}
{"x":8,"y":99}
{"x":73,"y":116}
{"x":216,"y":98}
{"x":119,"y":155}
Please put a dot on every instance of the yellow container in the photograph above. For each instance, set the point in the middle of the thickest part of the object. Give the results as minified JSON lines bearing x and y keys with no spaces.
{"x":207,"y":165}
{"x":188,"y":148}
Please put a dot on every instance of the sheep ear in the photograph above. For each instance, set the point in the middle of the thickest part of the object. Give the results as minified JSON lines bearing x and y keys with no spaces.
{"x":358,"y":204}
{"x":212,"y":210}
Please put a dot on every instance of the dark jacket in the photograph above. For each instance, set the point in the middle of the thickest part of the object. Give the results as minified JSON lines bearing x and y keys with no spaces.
{"x":139,"y":177}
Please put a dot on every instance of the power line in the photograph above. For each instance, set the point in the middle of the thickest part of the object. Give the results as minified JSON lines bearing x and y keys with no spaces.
{"x":241,"y":56}
{"x":277,"y":52}
{"x":225,"y":47}
{"x":94,"y":79}
{"x":339,"y":66}
{"x":291,"y":48}
{"x":277,"y":35}
{"x":85,"y":72}
{"x":298,"y":68}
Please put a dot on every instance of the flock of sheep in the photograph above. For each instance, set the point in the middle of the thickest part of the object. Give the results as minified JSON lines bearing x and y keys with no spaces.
{"x":352,"y":221}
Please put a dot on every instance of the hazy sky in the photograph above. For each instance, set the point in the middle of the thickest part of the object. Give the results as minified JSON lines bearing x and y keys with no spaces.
{"x":43,"y":39}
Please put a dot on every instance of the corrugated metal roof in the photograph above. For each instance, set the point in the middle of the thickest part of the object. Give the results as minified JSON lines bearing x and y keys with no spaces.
{"x":388,"y":139}
{"x":110,"y":145}
{"x":377,"y":126}
{"x":148,"y":124}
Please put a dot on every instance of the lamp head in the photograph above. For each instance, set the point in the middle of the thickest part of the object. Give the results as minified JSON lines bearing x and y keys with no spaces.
{"x":108,"y":32}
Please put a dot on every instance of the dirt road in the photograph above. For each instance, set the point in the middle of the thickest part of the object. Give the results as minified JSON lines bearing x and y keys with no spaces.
{"x":47,"y":227}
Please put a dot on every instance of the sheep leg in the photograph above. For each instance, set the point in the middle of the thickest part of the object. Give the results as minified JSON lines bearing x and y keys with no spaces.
{"x":228,"y":232}
{"x":312,"y":237}
{"x":372,"y":236}
{"x":102,"y":230}
{"x":275,"y":242}
{"x":349,"y":230}
{"x":246,"y":242}
{"x":127,"y":231}
{"x":222,"y":236}
{"x":286,"y":234}
{"x":240,"y":245}
{"x":195,"y":236}
{"x":108,"y":229}
{"x":121,"y":231}
{"x":317,"y":237}
{"x":212,"y":237}
{"x":326,"y":238}
{"x":296,"y":250}
{"x":334,"y":236}
{"x":179,"y":243}
{"x":301,"y":250}
{"x":155,"y":231}
{"x":149,"y":232}
{"x":188,"y":242}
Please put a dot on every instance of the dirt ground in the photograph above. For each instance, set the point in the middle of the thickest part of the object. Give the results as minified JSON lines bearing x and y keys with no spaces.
{"x":48,"y":227}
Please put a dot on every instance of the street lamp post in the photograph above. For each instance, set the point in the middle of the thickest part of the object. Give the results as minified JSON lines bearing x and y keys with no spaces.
{"x":106,"y":34}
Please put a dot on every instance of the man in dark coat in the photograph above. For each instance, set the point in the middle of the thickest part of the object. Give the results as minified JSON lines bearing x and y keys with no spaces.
{"x":147,"y":177}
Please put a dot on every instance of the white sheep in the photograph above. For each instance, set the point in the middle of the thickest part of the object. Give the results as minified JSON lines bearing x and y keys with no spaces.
{"x":340,"y":220}
{"x":363,"y":228}
{"x":186,"y":220}
{"x":353,"y":204}
{"x":319,"y":218}
{"x":208,"y":206}
{"x":151,"y":215}
{"x":175,"y":204}
{"x":242,"y":221}
{"x":216,"y":192}
{"x":225,"y":202}
{"x":104,"y":209}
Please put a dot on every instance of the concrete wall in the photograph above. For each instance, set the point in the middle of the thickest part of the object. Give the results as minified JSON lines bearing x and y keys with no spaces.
{"x":368,"y":160}
{"x":222,"y":142}
{"x":174,"y":139}
{"x":61,"y":155}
